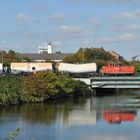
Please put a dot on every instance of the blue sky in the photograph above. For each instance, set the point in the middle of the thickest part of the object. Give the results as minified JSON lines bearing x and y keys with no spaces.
{"x":71,"y":24}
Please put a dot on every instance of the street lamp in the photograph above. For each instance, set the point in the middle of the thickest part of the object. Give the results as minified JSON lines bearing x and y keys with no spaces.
{"x":2,"y":57}
{"x":2,"y":60}
{"x":83,"y":55}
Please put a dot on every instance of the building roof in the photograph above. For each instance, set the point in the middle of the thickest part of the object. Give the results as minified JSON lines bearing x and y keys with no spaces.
{"x":53,"y":57}
{"x":115,"y":54}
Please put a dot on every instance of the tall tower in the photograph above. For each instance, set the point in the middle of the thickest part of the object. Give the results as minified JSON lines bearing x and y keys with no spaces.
{"x":50,"y":48}
{"x":43,"y":48}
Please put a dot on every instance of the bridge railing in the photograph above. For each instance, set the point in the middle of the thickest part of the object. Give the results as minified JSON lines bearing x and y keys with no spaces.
{"x":115,"y":82}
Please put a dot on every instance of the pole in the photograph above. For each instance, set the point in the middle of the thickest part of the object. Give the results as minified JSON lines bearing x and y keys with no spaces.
{"x":2,"y":60}
{"x":2,"y":57}
{"x":83,"y":55}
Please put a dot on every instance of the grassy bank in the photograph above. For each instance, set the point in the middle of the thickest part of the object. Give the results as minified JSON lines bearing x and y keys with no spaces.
{"x":42,"y":87}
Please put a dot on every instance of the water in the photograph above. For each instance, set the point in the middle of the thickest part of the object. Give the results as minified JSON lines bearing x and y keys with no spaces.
{"x":98,"y":118}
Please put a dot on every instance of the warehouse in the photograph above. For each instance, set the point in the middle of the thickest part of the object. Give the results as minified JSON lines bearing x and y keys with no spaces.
{"x":36,"y":57}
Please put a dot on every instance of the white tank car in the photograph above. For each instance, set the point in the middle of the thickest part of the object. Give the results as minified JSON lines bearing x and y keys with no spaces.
{"x":77,"y":68}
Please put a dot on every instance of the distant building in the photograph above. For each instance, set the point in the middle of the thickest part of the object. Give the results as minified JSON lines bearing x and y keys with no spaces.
{"x":50,"y":48}
{"x":45,"y":53}
{"x":115,"y":55}
{"x":36,"y":57}
{"x":45,"y":48}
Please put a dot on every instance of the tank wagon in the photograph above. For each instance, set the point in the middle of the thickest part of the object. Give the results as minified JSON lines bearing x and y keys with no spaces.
{"x":77,"y":70}
{"x":115,"y":69}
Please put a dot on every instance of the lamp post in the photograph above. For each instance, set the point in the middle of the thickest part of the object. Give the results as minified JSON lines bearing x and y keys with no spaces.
{"x":2,"y":57}
{"x":2,"y":60}
{"x":83,"y":55}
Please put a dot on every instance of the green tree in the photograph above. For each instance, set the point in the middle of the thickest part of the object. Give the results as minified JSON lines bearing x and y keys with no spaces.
{"x":46,"y":86}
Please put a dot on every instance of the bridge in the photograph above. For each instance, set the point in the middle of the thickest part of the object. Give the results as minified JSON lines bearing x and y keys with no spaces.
{"x":85,"y":80}
{"x":115,"y":82}
{"x":126,"y":82}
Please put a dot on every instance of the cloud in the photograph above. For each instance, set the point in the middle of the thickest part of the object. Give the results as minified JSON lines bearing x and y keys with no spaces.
{"x":107,"y":1}
{"x":40,"y":7}
{"x":57,"y":43}
{"x":10,"y":46}
{"x":14,"y":33}
{"x":126,"y":37}
{"x":24,"y":18}
{"x":73,"y":31}
{"x":58,"y":16}
{"x":106,"y":136}
{"x":127,"y":27}
{"x":122,"y":38}
{"x":32,"y":35}
{"x":20,"y":17}
{"x":70,"y":29}
{"x":128,"y":15}
{"x":95,"y":23}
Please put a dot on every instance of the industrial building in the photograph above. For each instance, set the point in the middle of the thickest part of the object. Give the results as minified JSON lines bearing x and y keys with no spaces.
{"x":45,"y":48}
{"x":45,"y":53}
{"x":115,"y":55}
{"x":36,"y":57}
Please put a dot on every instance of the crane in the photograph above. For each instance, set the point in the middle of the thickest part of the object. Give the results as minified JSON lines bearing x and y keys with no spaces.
{"x":134,"y":57}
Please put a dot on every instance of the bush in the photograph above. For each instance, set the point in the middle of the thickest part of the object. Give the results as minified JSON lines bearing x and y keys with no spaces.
{"x":41,"y":87}
{"x":10,"y":90}
{"x":46,"y":86}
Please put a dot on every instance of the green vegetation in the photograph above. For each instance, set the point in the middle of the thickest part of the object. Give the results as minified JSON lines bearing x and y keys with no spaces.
{"x":13,"y":134}
{"x":11,"y":87}
{"x":42,"y":87}
{"x":87,"y":55}
{"x":99,"y":56}
{"x":49,"y":86}
{"x":12,"y":56}
{"x":83,"y":55}
{"x":136,"y":64}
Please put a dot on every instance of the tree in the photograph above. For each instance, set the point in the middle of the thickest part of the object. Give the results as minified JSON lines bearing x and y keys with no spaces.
{"x":12,"y":56}
{"x":46,"y":86}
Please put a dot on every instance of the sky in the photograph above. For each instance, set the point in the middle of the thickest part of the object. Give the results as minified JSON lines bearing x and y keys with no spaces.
{"x":71,"y":24}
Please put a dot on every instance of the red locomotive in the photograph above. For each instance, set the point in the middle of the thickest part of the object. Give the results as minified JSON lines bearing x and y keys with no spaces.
{"x":115,"y":69}
{"x":116,"y":117}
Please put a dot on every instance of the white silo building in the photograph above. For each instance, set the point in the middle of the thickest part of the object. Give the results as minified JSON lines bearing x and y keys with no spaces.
{"x":50,"y":49}
{"x":45,"y":48}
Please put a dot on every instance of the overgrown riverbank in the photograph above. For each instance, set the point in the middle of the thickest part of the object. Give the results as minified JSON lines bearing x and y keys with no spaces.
{"x":42,"y":87}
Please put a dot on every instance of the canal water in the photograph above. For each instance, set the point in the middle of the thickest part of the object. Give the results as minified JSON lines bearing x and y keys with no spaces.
{"x":113,"y":117}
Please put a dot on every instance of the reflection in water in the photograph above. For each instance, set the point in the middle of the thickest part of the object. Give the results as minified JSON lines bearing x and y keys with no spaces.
{"x":83,"y":120}
{"x":84,"y":116}
{"x":116,"y":117}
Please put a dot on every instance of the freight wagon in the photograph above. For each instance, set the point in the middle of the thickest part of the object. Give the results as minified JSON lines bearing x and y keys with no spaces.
{"x":17,"y":68}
